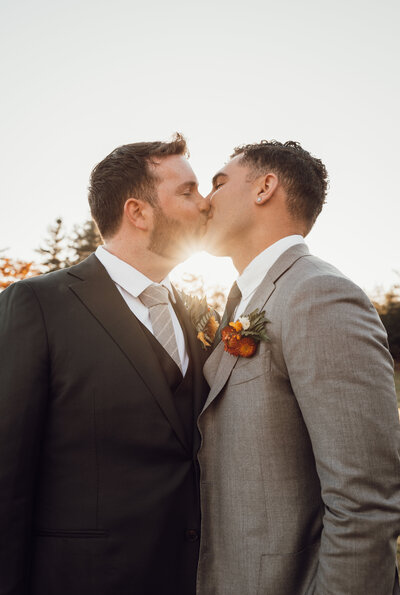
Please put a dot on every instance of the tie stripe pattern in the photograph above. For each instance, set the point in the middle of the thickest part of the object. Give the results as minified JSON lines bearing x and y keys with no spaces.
{"x":156,"y":299}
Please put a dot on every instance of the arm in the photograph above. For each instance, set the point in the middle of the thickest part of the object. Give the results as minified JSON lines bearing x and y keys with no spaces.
{"x":341,"y":372}
{"x":23,"y":394}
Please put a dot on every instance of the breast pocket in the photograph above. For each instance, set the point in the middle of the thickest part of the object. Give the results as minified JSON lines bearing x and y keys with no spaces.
{"x":247,"y":369}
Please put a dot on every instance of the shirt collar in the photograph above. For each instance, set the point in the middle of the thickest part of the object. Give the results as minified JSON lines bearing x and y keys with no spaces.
{"x":126,"y":276}
{"x":256,"y":270}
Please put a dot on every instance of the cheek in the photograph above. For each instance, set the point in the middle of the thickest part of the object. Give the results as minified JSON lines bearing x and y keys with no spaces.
{"x":190,"y":212}
{"x":227,"y":205}
{"x":220,"y":201}
{"x":233,"y":215}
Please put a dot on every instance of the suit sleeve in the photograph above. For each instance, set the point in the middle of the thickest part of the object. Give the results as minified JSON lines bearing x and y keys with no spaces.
{"x":341,"y":371}
{"x":23,"y":396}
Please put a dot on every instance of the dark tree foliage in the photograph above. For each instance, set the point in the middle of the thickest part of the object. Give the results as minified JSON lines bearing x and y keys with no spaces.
{"x":84,"y":241}
{"x":389,"y":312}
{"x":52,"y":251}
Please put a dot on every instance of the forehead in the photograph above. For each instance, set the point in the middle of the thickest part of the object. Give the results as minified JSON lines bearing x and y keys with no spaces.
{"x":174,"y":168}
{"x":233,"y":168}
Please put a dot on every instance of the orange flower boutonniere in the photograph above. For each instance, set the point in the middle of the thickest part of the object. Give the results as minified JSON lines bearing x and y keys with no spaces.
{"x":204,"y":319}
{"x":242,"y":336}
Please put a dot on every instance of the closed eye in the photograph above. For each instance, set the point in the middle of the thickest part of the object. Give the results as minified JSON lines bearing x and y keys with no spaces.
{"x":187,"y":188}
{"x":218,"y":180}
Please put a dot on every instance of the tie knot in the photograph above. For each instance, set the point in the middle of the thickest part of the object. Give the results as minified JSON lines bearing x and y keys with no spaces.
{"x":154,"y":295}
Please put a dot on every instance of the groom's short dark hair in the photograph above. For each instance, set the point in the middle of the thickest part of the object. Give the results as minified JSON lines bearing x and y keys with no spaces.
{"x":303,"y":176}
{"x":124,"y":173}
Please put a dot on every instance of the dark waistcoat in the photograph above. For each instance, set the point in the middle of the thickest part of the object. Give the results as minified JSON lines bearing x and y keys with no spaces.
{"x":181,"y":387}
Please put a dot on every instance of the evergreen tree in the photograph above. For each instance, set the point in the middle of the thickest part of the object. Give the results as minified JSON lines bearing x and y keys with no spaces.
{"x":53,"y":251}
{"x":85,"y":240}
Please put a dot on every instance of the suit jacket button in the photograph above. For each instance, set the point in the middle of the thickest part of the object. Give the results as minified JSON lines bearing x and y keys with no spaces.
{"x":191,"y":535}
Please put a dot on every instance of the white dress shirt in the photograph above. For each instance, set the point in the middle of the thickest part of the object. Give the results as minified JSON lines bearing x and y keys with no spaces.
{"x":130,"y":283}
{"x":256,"y":270}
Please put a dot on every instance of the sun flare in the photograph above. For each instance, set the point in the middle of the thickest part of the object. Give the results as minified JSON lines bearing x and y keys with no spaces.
{"x":210,"y":271}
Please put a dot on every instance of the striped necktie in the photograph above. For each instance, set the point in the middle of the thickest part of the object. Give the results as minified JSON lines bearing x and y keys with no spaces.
{"x":156,"y":299}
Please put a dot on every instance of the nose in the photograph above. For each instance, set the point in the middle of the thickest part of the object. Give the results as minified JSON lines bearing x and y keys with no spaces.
{"x":203,"y":204}
{"x":209,"y":196}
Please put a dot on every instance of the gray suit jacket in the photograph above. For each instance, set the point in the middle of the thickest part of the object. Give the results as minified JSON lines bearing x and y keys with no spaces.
{"x":300,"y":482}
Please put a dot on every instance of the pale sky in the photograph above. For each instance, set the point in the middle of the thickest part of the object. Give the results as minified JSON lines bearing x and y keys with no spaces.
{"x":82,"y":77}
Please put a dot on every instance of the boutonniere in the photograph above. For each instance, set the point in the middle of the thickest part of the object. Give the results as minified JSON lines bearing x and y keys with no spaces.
{"x":241,"y":337}
{"x":204,"y":319}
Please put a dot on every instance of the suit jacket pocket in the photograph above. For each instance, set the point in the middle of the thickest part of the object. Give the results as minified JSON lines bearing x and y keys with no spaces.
{"x":82,"y":534}
{"x":71,"y":562}
{"x":250,"y":368}
{"x":289,"y":573}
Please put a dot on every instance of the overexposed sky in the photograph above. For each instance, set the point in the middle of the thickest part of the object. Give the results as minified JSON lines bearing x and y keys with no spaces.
{"x":80,"y":78}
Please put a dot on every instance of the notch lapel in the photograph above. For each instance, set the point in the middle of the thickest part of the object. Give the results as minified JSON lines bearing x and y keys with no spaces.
{"x":227,"y":361}
{"x":95,"y":289}
{"x":220,"y":364}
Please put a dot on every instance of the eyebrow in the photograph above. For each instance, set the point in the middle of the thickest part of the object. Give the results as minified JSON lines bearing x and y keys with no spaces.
{"x":215,"y":178}
{"x":189,"y":184}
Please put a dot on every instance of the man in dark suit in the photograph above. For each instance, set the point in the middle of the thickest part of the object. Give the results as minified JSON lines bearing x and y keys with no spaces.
{"x":98,"y":438}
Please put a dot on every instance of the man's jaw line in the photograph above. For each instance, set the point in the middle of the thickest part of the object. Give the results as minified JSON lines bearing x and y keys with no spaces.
{"x":154,"y":266}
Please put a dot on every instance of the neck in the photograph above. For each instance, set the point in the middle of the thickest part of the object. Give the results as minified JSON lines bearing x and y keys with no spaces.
{"x":151,"y":265}
{"x":257,"y":243}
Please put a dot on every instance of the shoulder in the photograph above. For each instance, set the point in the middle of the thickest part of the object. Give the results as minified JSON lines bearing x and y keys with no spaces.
{"x":317,"y":295}
{"x":28,"y":296}
{"x":313,"y":278}
{"x":56,"y":282}
{"x":35,"y":286}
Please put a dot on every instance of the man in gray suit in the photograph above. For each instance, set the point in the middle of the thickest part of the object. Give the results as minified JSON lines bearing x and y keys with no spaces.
{"x":300,"y":483}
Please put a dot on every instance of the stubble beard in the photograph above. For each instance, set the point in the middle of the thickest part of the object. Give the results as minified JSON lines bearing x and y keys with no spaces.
{"x":169,"y":237}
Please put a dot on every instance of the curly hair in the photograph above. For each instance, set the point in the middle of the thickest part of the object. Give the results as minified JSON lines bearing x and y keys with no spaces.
{"x":127,"y":172}
{"x":303,"y":176}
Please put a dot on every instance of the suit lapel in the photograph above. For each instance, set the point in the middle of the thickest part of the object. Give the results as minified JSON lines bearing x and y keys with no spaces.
{"x":220,"y":364}
{"x":95,"y":289}
{"x":227,"y":361}
{"x":197,"y":356}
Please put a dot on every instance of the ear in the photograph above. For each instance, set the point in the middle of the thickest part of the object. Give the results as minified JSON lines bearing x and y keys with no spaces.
{"x":266,"y":186}
{"x":138,"y":213}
